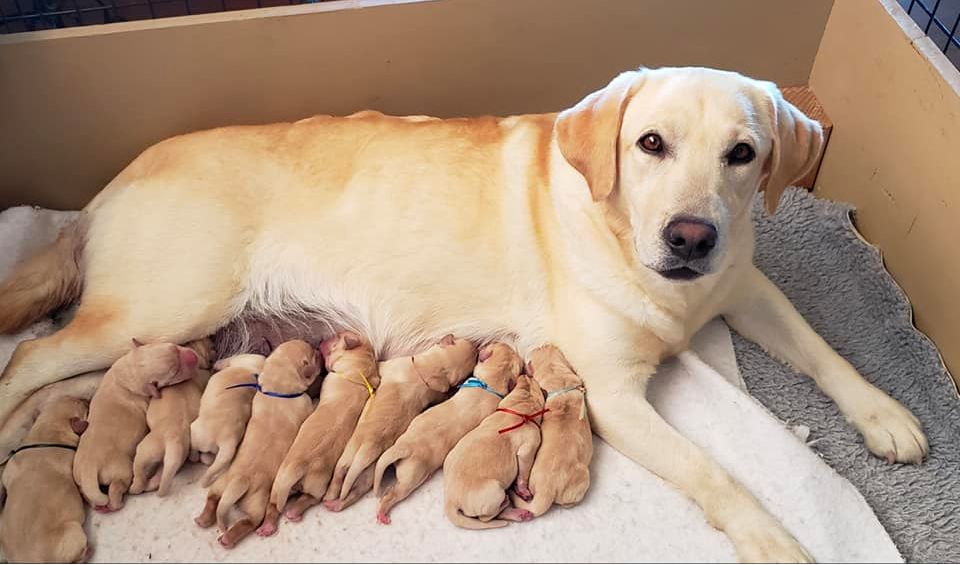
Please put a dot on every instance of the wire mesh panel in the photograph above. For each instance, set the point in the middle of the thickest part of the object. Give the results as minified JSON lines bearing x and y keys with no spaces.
{"x":940,"y":20}
{"x":31,"y":15}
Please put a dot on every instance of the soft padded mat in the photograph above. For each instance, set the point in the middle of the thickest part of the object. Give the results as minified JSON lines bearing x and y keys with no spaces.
{"x":837,"y":281}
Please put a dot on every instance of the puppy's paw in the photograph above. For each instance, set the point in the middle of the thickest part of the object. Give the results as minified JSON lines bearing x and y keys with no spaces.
{"x":293,"y":515}
{"x":890,"y":431}
{"x":334,"y":505}
{"x":266,"y":530}
{"x":768,"y":542}
{"x":383,"y":518}
{"x":523,"y":491}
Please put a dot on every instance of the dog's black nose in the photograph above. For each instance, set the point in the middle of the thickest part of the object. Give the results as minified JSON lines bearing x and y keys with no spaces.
{"x":690,"y":238}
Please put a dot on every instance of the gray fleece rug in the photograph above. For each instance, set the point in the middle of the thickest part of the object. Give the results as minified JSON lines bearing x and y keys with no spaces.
{"x":838,"y":282}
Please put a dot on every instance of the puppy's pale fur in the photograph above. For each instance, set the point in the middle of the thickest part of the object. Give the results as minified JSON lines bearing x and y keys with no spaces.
{"x":534,"y":229}
{"x":407,"y":386}
{"x":118,"y":418}
{"x":483,"y":465}
{"x":167,"y":445}
{"x":224,"y":413}
{"x":561,"y":470}
{"x":290,"y":369}
{"x":323,"y":436}
{"x":422,"y":449}
{"x":44,"y":513}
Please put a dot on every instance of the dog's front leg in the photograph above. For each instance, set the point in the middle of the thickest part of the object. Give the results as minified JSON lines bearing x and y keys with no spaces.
{"x":761,"y":313}
{"x":621,"y":415}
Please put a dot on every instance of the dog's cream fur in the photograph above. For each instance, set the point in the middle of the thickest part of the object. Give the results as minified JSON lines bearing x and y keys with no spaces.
{"x":530,"y":229}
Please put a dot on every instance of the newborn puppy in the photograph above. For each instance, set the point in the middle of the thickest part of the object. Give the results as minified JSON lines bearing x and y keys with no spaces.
{"x":164,"y":450}
{"x":346,"y":390}
{"x":44,"y":514}
{"x":118,"y":418}
{"x":278,"y":409}
{"x":480,"y":469}
{"x":407,"y":386}
{"x":561,"y":470}
{"x":422,"y":448}
{"x":224,"y":412}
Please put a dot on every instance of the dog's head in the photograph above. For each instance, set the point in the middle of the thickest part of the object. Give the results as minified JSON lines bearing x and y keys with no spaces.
{"x":674,"y":156}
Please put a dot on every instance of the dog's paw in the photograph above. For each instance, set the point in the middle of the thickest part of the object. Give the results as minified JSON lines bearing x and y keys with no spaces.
{"x":769,"y":543}
{"x":890,"y":431}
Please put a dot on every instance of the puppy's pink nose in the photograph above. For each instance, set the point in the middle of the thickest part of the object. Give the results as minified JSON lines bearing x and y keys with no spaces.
{"x":188,"y":357}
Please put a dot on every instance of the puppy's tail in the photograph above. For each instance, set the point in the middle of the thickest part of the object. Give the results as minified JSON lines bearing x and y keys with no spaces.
{"x":225,"y":453}
{"x":45,"y":281}
{"x":233,"y":493}
{"x":173,"y":457}
{"x":287,"y":476}
{"x":389,"y":457}
{"x":462,"y":521}
{"x":365,"y":457}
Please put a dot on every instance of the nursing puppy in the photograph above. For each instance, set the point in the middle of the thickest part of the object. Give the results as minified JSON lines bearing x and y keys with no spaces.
{"x":166,"y":447}
{"x":497,"y":454}
{"x":44,"y":513}
{"x":422,"y":448}
{"x":407,"y":386}
{"x":278,"y":409}
{"x":346,"y":390}
{"x":118,"y":418}
{"x":561,"y":470}
{"x":224,"y":412}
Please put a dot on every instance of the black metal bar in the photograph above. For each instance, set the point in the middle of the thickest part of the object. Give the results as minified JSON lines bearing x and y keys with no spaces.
{"x":952,"y":36}
{"x":933,"y":18}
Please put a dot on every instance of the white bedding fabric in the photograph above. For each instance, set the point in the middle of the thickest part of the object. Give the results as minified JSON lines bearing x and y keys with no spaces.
{"x":628,"y":514}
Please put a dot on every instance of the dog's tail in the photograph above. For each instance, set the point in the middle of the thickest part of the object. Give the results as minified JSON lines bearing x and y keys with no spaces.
{"x":233,"y":493}
{"x":459,"y":519}
{"x":389,"y":457}
{"x":287,"y":476}
{"x":225,"y":453}
{"x":45,"y":281}
{"x":365,"y":457}
{"x":173,"y":457}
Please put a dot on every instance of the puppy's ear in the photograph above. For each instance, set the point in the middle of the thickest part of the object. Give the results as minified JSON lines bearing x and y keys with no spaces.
{"x":797,"y":143}
{"x":136,"y":343}
{"x":78,"y":425}
{"x":153,"y":391}
{"x":529,"y":368}
{"x":447,"y":340}
{"x":351,"y":341}
{"x":587,"y":134}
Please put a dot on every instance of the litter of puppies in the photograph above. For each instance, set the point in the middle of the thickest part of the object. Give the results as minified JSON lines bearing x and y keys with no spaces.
{"x":510,"y":444}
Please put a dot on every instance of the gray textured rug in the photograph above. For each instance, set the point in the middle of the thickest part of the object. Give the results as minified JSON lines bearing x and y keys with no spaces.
{"x":811,"y":251}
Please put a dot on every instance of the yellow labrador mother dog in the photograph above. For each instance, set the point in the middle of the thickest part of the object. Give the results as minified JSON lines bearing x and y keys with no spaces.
{"x":614,"y":230}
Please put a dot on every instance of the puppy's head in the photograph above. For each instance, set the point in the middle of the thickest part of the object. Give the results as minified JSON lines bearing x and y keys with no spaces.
{"x":526,"y":397}
{"x":545,"y":359}
{"x":446,"y":363}
{"x":673,"y":157}
{"x":65,"y":413}
{"x":157,"y":365}
{"x":350,"y":354}
{"x":250,"y":361}
{"x":292,"y":367}
{"x":498,"y":365}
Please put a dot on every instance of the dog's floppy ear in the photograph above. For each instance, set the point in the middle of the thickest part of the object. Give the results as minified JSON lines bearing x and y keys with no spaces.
{"x":797,"y":142}
{"x":588,"y":133}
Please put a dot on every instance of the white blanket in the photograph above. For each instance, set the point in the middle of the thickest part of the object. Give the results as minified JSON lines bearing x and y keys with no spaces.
{"x":628,"y":514}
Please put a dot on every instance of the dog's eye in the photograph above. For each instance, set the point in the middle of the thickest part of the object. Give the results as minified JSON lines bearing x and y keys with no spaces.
{"x":651,"y":143}
{"x":740,"y":154}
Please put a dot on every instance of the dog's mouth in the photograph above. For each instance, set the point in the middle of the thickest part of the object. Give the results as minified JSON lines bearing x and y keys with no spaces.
{"x":680,"y":274}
